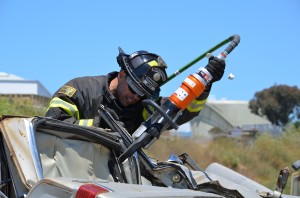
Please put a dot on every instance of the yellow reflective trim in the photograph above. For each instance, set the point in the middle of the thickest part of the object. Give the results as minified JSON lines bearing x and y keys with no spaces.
{"x":86,"y":122}
{"x":153,"y":63}
{"x":145,"y":113}
{"x":67,"y":107}
{"x":198,"y":102}
{"x":196,"y":105}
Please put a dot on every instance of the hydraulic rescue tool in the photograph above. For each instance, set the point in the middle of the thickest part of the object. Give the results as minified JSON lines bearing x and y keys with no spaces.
{"x":166,"y":115}
{"x":200,"y":57}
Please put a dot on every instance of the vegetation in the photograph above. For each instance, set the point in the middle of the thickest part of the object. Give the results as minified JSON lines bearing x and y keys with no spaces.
{"x":20,"y":106}
{"x":260,"y":161}
{"x":279,"y":103}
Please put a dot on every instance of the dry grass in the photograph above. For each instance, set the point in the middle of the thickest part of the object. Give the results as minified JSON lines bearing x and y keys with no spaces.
{"x":260,"y":161}
{"x":20,"y":106}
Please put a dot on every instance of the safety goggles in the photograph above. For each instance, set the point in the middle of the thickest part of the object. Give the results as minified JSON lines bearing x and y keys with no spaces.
{"x":133,"y":88}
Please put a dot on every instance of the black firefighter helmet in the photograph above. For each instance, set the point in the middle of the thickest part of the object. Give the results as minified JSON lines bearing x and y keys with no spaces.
{"x":146,"y":72}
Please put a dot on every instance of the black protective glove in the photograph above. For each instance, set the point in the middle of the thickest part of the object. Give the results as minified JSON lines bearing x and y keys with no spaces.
{"x":96,"y":121}
{"x":216,"y":68}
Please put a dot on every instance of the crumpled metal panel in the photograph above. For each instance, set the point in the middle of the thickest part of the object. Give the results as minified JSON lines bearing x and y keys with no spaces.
{"x":16,"y":132}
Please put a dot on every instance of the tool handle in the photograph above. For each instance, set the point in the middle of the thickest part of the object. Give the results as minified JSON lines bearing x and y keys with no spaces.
{"x":235,"y":40}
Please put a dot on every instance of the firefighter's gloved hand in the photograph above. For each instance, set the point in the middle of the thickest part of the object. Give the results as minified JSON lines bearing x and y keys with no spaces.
{"x":96,"y":121}
{"x":216,"y":68}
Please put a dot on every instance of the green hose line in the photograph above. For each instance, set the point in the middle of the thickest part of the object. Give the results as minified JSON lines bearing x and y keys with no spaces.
{"x":198,"y":58}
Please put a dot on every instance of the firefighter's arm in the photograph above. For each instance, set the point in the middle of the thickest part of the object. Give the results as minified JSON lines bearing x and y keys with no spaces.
{"x":216,"y":68}
{"x":194,"y":108}
{"x":66,"y":105}
{"x":63,"y":108}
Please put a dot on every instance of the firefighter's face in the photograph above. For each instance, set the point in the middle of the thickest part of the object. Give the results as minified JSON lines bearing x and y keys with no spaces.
{"x":124,"y":93}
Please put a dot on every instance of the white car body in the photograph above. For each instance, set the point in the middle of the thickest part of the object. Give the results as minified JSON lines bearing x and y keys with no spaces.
{"x":66,"y":161}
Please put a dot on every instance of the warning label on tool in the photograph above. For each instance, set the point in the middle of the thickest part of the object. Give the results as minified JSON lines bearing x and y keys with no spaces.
{"x":190,"y":82}
{"x":181,"y":94}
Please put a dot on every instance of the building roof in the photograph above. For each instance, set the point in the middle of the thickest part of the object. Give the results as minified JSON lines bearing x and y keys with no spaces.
{"x":226,"y":115}
{"x":11,"y":84}
{"x":237,"y":112}
{"x":7,"y":76}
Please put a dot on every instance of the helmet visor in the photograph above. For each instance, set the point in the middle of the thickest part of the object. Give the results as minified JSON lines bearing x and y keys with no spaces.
{"x":134,"y":87}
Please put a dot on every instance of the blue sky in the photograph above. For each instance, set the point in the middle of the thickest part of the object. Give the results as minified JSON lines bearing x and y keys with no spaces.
{"x":55,"y":41}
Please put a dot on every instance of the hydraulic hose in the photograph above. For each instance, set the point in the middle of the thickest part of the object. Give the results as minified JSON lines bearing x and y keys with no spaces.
{"x":234,"y":39}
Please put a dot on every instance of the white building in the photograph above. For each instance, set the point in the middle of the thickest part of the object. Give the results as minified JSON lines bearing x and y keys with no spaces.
{"x":228,"y":115}
{"x":14,"y":85}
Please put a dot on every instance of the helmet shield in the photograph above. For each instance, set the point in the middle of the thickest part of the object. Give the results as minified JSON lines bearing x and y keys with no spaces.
{"x":146,"y":72}
{"x":135,"y":87}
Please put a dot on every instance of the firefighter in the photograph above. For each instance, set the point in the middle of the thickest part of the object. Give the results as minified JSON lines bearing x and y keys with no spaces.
{"x":141,"y":75}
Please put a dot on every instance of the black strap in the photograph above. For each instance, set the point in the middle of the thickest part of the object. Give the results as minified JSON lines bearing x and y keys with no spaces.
{"x":189,"y":161}
{"x":216,"y":188}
